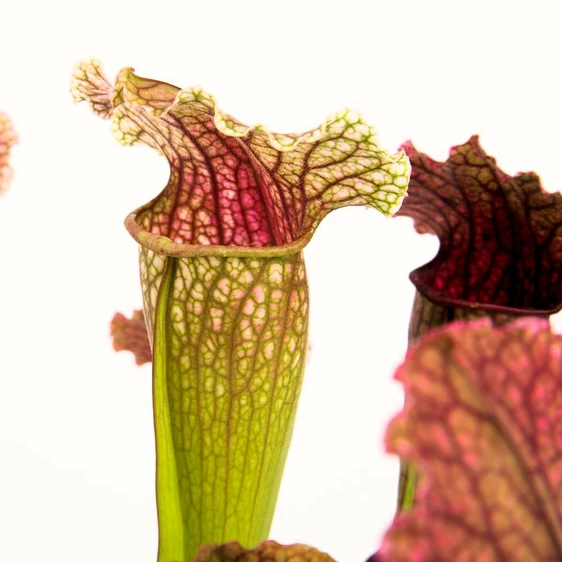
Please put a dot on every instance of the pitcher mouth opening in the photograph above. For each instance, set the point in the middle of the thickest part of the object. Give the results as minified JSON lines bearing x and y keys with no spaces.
{"x":440,"y":298}
{"x":166,"y":246}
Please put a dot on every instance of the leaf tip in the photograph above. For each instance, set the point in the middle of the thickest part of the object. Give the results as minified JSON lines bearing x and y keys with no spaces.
{"x":88,"y":83}
{"x":129,"y":334}
{"x":8,"y":138}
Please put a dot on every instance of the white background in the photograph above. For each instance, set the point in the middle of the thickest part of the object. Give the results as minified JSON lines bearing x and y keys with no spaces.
{"x":76,"y":442}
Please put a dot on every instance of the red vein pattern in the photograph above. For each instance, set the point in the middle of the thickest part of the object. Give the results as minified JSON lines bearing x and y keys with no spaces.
{"x":7,"y":140}
{"x":225,"y":291}
{"x":500,"y":239}
{"x":129,"y":334}
{"x":500,"y":249}
{"x":268,"y":551}
{"x":483,"y":424}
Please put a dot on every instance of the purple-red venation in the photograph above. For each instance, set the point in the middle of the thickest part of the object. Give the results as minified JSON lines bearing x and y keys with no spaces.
{"x":218,"y":192}
{"x":482,"y":423}
{"x":234,"y":185}
{"x":129,"y":334}
{"x":500,"y":236}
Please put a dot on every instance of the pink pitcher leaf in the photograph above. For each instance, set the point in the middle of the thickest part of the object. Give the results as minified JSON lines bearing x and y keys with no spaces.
{"x":268,"y":551}
{"x":129,"y":334}
{"x":483,"y":424}
{"x":7,"y":140}
{"x":500,"y":249}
